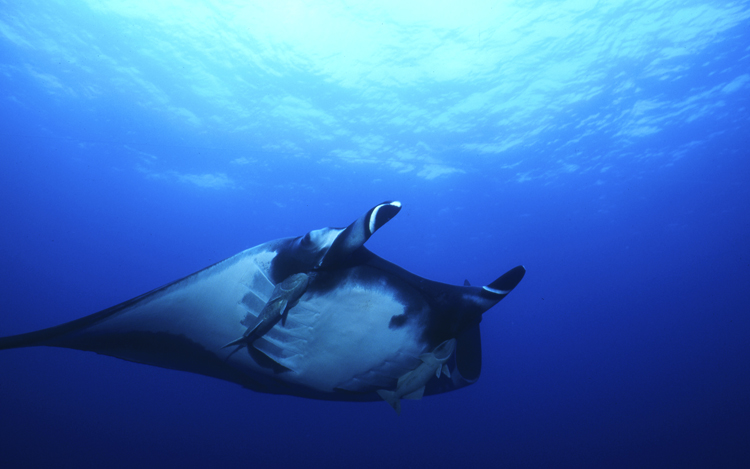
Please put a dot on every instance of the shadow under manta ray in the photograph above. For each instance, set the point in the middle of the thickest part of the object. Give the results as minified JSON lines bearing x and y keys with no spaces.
{"x":353,"y":324}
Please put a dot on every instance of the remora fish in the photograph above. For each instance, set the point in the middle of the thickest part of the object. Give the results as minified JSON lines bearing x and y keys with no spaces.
{"x":412,"y":384}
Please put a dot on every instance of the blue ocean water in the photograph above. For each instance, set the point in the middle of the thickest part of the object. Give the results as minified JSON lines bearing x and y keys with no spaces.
{"x":602,"y":144}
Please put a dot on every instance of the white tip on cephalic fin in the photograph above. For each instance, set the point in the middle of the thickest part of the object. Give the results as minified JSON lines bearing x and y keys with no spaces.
{"x":497,"y":292}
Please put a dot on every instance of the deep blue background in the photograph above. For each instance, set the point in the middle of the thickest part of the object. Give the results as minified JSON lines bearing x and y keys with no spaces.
{"x":626,"y":345}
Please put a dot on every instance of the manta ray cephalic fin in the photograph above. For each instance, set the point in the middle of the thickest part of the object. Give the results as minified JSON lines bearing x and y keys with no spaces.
{"x":356,"y":234}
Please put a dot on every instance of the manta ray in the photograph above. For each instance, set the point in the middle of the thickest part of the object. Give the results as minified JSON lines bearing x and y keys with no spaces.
{"x":316,"y":316}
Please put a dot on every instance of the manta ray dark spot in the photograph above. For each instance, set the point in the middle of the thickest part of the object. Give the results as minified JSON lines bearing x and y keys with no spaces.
{"x":397,"y":321}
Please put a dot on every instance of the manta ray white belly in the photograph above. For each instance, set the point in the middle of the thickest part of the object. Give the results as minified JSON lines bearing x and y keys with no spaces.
{"x":343,"y":341}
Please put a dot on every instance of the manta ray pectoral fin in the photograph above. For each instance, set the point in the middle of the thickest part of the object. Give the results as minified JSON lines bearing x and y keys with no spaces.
{"x":59,"y":336}
{"x":356,"y":234}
